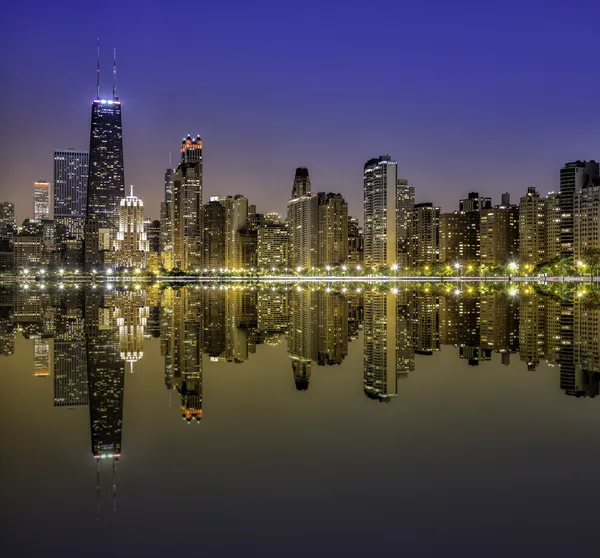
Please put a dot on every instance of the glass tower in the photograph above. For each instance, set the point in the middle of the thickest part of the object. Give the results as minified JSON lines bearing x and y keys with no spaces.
{"x":106,"y":182}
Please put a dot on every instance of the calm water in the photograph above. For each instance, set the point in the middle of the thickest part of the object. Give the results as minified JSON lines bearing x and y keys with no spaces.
{"x":283,"y":422}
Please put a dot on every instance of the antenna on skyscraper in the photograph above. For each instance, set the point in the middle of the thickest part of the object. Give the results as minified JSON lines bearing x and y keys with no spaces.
{"x":115,"y":73}
{"x":97,"y":68}
{"x":170,"y":160}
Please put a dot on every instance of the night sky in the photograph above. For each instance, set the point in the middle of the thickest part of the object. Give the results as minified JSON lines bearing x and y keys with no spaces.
{"x":467,"y":95}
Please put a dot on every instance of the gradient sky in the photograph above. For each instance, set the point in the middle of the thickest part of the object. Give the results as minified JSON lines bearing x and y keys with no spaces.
{"x":466,"y":95}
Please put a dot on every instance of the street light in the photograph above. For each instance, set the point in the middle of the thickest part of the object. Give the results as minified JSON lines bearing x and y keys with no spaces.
{"x":512,"y":266}
{"x":457,"y":266}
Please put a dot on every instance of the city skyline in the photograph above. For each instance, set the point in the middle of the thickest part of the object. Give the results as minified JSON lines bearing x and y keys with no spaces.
{"x":493,"y":111}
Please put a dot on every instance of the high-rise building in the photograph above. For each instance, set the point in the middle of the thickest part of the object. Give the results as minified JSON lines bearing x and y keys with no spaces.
{"x":424,"y":234}
{"x":380,"y":206}
{"x":166,"y":231}
{"x":214,"y":235}
{"x":41,"y":200}
{"x":152,"y":229}
{"x":356,"y":244}
{"x":8,"y":223}
{"x":186,"y":210}
{"x":131,"y":243}
{"x":106,"y":179}
{"x":302,"y":219}
{"x":404,"y":205}
{"x":552,"y":221}
{"x":71,"y":169}
{"x":449,"y":236}
{"x":587,"y":221}
{"x":532,"y":228}
{"x":499,"y":234}
{"x":272,"y":246}
{"x":573,"y":178}
{"x":332,"y":229}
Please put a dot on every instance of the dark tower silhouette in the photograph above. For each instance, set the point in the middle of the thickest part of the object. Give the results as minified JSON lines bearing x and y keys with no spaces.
{"x":106,"y":181}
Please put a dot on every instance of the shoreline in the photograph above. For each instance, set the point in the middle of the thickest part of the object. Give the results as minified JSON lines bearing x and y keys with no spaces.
{"x":91,"y":279}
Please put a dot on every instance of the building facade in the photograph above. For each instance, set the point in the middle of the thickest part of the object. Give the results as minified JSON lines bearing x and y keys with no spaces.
{"x":574,"y":177}
{"x":41,"y":200}
{"x":131,"y":243}
{"x":71,"y":168}
{"x":380,"y":218}
{"x":106,"y":180}
{"x":186,"y":210}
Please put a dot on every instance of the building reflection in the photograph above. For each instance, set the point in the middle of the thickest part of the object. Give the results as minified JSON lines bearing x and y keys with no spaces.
{"x":85,"y":339}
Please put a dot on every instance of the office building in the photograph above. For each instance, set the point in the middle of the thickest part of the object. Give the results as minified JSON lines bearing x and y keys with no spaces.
{"x":71,"y":169}
{"x":41,"y":200}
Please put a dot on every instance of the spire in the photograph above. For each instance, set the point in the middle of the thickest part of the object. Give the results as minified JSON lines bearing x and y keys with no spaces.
{"x":97,"y":68}
{"x":170,"y":160}
{"x":131,"y":186}
{"x":115,"y":74}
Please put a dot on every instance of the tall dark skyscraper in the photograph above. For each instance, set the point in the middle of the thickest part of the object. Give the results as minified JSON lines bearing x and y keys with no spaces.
{"x":70,"y":190}
{"x":106,"y":182}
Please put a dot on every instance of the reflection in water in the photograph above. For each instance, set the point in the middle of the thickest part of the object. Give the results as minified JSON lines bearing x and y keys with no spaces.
{"x":86,"y":338}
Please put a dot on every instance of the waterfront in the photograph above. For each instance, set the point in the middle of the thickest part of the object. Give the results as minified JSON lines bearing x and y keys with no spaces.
{"x":299,"y":419}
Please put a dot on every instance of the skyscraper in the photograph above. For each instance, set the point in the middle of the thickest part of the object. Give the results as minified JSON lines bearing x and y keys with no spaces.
{"x":106,"y":181}
{"x":587,"y":221}
{"x":186,"y":207}
{"x":166,"y":231}
{"x":573,"y":178}
{"x":380,"y":199}
{"x":424,"y":234}
{"x":41,"y":200}
{"x":272,"y":246}
{"x":302,"y":222}
{"x":404,"y":204}
{"x":70,"y":190}
{"x":7,"y":217}
{"x":214,"y":235}
{"x":131,"y":243}
{"x":532,"y":228}
{"x":332,"y":229}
